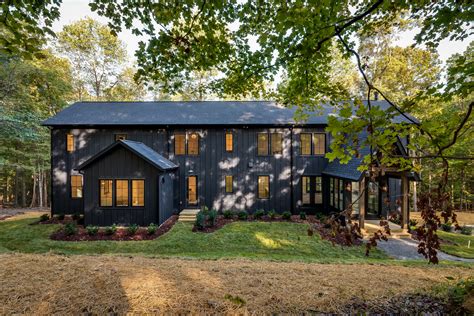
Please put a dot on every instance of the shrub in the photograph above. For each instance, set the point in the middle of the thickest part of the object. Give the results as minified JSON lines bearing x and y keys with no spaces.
{"x":132,"y":229}
{"x":60,"y":216}
{"x":228,"y":214}
{"x":151,"y":229}
{"x":76,"y":216}
{"x":70,"y":229}
{"x":413,"y":222}
{"x":110,"y":230}
{"x":302,"y":215}
{"x":272,"y":214}
{"x":259,"y":214}
{"x":44,"y":218}
{"x":286,"y":215}
{"x":466,"y":230}
{"x":200,"y":220}
{"x":446,"y":227}
{"x":212,"y":217}
{"x":243,"y":215}
{"x":92,"y":230}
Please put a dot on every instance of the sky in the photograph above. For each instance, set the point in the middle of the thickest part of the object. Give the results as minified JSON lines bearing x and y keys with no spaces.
{"x":73,"y":10}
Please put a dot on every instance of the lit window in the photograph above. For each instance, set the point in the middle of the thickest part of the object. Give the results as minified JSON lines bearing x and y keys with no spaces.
{"x":306,"y":196}
{"x":70,"y":143}
{"x":193,"y":144}
{"x":355,"y":197}
{"x":229,"y":142}
{"x":120,"y":137}
{"x":179,"y":144}
{"x":262,"y":144}
{"x":263,"y":187}
{"x":105,"y":192}
{"x":341,"y":194}
{"x":76,"y":186}
{"x":192,"y":190}
{"x":277,"y":140}
{"x":319,"y":147}
{"x":121,"y":193}
{"x":318,"y":192}
{"x":229,"y":184}
{"x":305,"y":143}
{"x":138,"y":192}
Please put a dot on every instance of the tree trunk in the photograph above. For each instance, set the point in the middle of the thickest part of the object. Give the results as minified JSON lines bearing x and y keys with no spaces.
{"x":33,"y":195}
{"x":45,"y":189}
{"x":40,"y":187}
{"x":17,"y":187}
{"x":23,"y":190}
{"x":461,"y":195}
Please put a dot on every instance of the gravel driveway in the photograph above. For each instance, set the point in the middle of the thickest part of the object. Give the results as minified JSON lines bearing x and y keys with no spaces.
{"x":407,"y":249}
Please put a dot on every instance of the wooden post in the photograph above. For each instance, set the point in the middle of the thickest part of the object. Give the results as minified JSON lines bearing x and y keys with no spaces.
{"x":362,"y":201}
{"x":405,"y":185}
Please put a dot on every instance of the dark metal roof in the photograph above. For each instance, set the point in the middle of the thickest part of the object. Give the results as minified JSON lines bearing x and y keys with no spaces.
{"x":140,"y":150}
{"x":188,"y":113}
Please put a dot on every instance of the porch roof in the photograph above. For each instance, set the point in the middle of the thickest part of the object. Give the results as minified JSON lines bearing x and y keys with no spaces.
{"x":140,"y":149}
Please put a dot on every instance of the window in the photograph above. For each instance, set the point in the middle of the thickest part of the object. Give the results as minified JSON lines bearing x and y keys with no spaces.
{"x":192,"y":190}
{"x":120,"y":137}
{"x":318,"y":192}
{"x":138,"y":192}
{"x":76,"y":186}
{"x":70,"y":143}
{"x":277,"y":140}
{"x":121,"y":192}
{"x":355,"y":197}
{"x":229,"y":142}
{"x":331,"y":189}
{"x":179,"y":144}
{"x":263,"y":187}
{"x":341,"y":195}
{"x":193,"y":144}
{"x":336,"y":193}
{"x":229,"y":184}
{"x":305,"y":140}
{"x":262,"y":144}
{"x":306,"y":197}
{"x":319,"y":147}
{"x":105,"y":193}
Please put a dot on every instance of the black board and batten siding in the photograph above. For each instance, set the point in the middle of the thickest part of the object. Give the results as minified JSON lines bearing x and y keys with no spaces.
{"x":211,"y":165}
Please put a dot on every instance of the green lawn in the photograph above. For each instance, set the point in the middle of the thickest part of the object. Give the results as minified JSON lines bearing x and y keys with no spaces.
{"x":274,"y":241}
{"x":458,"y":244}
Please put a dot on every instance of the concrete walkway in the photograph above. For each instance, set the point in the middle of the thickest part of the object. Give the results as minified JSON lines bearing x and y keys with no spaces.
{"x":407,"y":249}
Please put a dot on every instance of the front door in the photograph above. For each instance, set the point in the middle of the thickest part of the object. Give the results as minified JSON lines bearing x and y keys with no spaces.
{"x":373,"y":198}
{"x":192,"y":197}
{"x":312,"y":190}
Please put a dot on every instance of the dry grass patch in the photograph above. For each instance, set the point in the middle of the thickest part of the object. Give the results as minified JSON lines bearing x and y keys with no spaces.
{"x":47,"y":284}
{"x":464,"y":218}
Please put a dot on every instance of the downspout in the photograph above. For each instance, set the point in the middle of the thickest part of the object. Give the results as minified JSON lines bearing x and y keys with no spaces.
{"x":291,"y":171}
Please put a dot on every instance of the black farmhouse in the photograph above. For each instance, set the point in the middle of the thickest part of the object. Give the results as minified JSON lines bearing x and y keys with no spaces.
{"x":140,"y":162}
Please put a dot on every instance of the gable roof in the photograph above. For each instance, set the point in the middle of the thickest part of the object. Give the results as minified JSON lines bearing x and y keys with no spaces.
{"x":188,"y":113}
{"x":140,"y":149}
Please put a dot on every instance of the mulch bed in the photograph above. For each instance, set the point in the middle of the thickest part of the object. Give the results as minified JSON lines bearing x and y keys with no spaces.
{"x":120,"y":235}
{"x":55,"y":220}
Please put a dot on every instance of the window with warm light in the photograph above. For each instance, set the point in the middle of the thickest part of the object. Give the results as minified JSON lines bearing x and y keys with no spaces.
{"x":277,"y":146}
{"x":70,"y":142}
{"x":229,"y":184}
{"x":305,"y":143}
{"x":121,"y":192}
{"x":138,"y":192}
{"x":179,"y":144}
{"x":319,"y":145}
{"x":105,"y":193}
{"x":193,"y":144}
{"x":192,"y":190}
{"x":262,"y":144}
{"x":263,"y":187}
{"x":229,"y":142}
{"x":76,"y":186}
